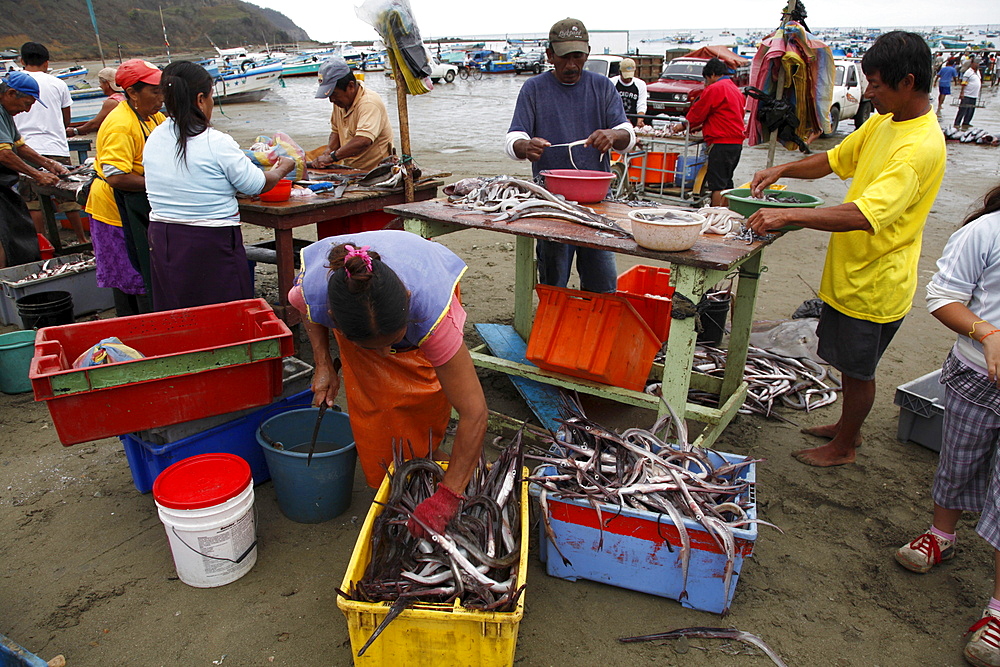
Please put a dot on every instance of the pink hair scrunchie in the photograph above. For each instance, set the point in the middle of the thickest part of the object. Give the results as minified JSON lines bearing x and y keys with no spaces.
{"x":361,"y":252}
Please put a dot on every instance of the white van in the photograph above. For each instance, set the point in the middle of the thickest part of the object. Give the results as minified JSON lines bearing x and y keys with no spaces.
{"x":849,"y":85}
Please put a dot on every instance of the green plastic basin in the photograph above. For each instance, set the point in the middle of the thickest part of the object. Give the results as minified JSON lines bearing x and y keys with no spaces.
{"x":741,"y":201}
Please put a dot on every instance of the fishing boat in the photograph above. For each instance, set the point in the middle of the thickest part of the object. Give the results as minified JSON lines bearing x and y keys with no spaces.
{"x":305,"y":64}
{"x":74,"y":77}
{"x":250,"y":83}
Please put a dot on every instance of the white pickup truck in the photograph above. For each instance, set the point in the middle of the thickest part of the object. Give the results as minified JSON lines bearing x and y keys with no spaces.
{"x":848,"y":89}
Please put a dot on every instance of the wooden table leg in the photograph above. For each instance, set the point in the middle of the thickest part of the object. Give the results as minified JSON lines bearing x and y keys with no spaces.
{"x":285,"y":249}
{"x":49,"y":213}
{"x":692,"y":283}
{"x":739,"y":338}
{"x":524,"y":284}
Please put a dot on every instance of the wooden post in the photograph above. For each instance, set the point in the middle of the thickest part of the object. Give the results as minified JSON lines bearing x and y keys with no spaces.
{"x":780,"y":92}
{"x":404,"y":125}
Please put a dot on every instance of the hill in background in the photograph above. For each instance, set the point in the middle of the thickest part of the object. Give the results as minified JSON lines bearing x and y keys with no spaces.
{"x":65,"y":27}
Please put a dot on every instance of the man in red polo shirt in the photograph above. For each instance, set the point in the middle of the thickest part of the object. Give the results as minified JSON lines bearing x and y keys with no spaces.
{"x":719,"y":115}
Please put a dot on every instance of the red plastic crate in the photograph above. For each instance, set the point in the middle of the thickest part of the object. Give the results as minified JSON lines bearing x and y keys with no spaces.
{"x":199,"y":362}
{"x":648,"y":289}
{"x":593,"y":336}
{"x":45,"y":249}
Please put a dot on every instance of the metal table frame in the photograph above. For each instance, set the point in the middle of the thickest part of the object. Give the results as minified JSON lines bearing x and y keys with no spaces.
{"x":693,"y":273}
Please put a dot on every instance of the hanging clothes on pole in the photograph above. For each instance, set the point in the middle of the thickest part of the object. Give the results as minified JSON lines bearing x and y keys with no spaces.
{"x":808,"y":78}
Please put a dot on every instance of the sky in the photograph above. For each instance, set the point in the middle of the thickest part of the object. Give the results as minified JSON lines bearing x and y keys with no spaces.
{"x":335,"y":20}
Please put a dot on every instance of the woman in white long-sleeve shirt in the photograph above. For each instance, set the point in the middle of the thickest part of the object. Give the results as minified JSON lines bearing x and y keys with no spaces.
{"x":193,"y":173}
{"x":965,"y":296}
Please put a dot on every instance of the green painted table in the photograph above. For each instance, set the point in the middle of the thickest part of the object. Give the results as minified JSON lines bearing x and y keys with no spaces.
{"x":693,"y":272}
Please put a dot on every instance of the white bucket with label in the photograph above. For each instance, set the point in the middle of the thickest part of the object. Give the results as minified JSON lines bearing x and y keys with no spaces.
{"x":206,"y":505}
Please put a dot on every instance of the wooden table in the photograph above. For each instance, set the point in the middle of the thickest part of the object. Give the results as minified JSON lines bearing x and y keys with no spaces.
{"x":62,"y":191}
{"x":331,"y":217}
{"x":693,"y":272}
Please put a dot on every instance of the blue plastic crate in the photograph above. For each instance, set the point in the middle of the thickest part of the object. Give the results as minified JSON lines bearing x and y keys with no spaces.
{"x":13,"y":654}
{"x":238,"y":436}
{"x":641,"y":550}
{"x":688,"y":168}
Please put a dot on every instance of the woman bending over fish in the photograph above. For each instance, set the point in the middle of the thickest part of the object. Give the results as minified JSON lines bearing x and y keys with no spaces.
{"x":391,"y":299}
{"x":963,"y":294}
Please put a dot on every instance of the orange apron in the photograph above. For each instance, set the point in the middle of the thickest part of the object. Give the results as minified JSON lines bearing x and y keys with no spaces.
{"x":396,"y":397}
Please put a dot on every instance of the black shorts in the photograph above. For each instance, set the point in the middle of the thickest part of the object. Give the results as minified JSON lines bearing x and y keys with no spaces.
{"x":722,"y":161}
{"x":853,"y":346}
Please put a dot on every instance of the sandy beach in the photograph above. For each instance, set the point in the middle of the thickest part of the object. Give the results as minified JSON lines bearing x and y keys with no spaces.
{"x":87,"y":571}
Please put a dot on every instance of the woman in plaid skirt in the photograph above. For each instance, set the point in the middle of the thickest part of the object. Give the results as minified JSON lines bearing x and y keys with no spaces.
{"x":965,"y":296}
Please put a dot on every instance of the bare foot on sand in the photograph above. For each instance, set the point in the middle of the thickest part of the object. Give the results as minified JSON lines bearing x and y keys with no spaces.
{"x":829,"y":432}
{"x":830,"y":454}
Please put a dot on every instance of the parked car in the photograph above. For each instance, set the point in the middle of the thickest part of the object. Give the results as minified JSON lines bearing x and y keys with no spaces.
{"x":604,"y":64}
{"x":531,"y":61}
{"x":440,"y":70}
{"x":849,"y":85}
{"x":681,"y":83}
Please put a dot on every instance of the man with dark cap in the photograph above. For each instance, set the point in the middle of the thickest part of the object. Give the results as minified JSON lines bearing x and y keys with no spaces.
{"x":554,"y":110}
{"x":361,"y":135}
{"x":18,"y":240}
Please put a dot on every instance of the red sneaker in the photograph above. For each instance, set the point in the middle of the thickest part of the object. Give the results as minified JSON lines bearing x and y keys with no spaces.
{"x":925,"y":552}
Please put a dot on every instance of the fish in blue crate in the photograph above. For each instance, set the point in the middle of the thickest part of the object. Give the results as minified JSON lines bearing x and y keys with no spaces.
{"x":665,"y":518}
{"x":109,"y":351}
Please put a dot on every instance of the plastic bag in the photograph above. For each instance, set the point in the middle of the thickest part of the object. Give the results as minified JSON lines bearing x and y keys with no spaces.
{"x":266,"y":151}
{"x":393,"y":21}
{"x":108,"y":351}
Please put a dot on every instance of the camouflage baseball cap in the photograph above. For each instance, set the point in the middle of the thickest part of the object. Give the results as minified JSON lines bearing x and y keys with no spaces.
{"x":569,"y":36}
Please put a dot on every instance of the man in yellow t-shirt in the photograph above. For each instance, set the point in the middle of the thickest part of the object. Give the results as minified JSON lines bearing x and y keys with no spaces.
{"x":361,"y":136}
{"x":897,"y":161}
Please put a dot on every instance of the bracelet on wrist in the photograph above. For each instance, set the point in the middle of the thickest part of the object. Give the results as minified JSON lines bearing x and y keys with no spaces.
{"x":988,"y":335}
{"x":972,"y":330}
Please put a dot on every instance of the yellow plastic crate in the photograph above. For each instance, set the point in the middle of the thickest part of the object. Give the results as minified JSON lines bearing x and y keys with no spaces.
{"x":431,"y":634}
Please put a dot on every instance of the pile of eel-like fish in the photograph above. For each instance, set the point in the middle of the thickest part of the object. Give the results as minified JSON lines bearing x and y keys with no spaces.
{"x":635,"y":469}
{"x":772,"y":379}
{"x":475,"y":560}
{"x":513,"y":198}
{"x":49,"y":269}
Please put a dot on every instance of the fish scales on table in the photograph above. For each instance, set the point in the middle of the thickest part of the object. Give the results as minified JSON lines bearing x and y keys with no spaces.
{"x":513,"y":198}
{"x":476,"y":558}
{"x":638,"y":470}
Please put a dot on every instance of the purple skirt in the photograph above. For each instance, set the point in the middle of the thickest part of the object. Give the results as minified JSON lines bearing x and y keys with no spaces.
{"x":113,"y":266}
{"x":197,"y":266}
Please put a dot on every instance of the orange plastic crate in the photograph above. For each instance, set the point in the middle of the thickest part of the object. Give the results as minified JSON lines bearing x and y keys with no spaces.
{"x":660,"y":167}
{"x":597,"y":337}
{"x":648,"y":289}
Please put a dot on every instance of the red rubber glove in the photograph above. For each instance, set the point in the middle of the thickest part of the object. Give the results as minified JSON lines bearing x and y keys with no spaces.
{"x":436,"y":511}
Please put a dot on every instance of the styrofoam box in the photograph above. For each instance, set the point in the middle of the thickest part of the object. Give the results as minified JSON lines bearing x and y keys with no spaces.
{"x":921,"y":410}
{"x":87,"y":296}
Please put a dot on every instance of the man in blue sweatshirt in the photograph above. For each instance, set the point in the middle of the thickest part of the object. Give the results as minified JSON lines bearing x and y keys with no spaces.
{"x":559,"y":107}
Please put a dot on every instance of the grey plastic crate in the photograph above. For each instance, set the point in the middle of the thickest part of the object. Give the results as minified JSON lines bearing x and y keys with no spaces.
{"x":921,"y":411}
{"x":87,"y":296}
{"x":296,"y":377}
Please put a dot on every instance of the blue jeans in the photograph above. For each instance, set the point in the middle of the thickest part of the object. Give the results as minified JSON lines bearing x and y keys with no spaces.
{"x":596,"y":267}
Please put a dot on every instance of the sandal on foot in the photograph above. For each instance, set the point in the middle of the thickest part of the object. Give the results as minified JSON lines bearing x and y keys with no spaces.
{"x":925,"y":552}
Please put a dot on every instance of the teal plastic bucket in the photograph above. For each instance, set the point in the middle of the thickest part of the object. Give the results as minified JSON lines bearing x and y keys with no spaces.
{"x":322,"y":490}
{"x":16,"y":350}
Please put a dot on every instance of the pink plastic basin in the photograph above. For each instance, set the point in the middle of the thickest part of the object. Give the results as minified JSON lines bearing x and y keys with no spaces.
{"x":580,"y":185}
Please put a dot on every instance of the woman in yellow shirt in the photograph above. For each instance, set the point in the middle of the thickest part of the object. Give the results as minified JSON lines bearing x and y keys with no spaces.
{"x":120,"y":249}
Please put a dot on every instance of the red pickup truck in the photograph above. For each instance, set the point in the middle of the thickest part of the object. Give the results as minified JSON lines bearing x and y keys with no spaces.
{"x":681,"y":83}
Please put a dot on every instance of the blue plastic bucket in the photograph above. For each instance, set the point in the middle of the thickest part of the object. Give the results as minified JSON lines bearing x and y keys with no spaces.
{"x":16,"y":350}
{"x":322,"y":490}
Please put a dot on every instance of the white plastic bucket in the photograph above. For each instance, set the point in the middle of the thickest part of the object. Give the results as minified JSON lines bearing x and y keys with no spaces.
{"x":212,"y":543}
